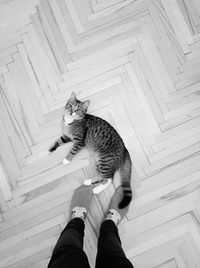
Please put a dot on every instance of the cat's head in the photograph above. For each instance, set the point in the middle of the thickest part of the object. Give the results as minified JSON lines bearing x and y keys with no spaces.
{"x":76,"y":108}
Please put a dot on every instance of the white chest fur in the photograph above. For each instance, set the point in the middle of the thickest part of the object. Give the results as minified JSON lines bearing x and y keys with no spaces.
{"x":68,"y":119}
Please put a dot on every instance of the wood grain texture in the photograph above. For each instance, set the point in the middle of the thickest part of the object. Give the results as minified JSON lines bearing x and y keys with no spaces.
{"x":139,"y":64}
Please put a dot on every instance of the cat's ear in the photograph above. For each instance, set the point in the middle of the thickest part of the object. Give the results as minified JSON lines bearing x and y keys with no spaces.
{"x":86,"y":104}
{"x":73,"y":96}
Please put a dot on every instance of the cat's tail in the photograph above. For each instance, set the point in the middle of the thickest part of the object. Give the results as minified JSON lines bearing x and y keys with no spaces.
{"x":125,"y":174}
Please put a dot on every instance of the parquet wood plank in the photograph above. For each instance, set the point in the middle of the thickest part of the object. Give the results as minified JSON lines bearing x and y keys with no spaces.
{"x":40,"y":264}
{"x":34,"y":259}
{"x":33,"y":80}
{"x":177,"y":139}
{"x":163,"y":258}
{"x":152,"y":82}
{"x":159,"y":32}
{"x":27,"y":89}
{"x":175,"y":148}
{"x":42,"y":38}
{"x":182,"y":32}
{"x":24,"y":102}
{"x":153,"y":59}
{"x":76,"y":77}
{"x":7,"y":242}
{"x":49,"y":73}
{"x":109,"y":53}
{"x":181,"y":119}
{"x":109,"y":10}
{"x":190,"y":14}
{"x":37,"y":69}
{"x":98,"y":5}
{"x":8,"y":158}
{"x":63,"y":20}
{"x":50,"y":27}
{"x":13,"y":101}
{"x":74,"y":16}
{"x":142,"y":99}
{"x":190,"y":251}
{"x":15,"y":141}
{"x":31,"y":209}
{"x":30,"y":246}
{"x":188,"y":151}
{"x":3,"y":204}
{"x":105,"y":39}
{"x":138,"y":64}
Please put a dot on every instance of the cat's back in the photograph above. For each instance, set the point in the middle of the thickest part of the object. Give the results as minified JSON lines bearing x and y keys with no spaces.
{"x":100,"y":134}
{"x":96,"y":123}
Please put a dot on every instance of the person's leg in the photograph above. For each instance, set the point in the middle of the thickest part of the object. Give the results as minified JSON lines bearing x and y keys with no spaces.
{"x":68,"y":252}
{"x":110,"y":252}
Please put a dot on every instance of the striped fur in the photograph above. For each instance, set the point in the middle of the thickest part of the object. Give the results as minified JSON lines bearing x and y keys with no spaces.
{"x":100,"y":137}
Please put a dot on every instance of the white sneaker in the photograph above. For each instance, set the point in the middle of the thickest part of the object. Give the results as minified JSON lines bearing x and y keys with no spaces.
{"x":113,"y":215}
{"x":79,"y":212}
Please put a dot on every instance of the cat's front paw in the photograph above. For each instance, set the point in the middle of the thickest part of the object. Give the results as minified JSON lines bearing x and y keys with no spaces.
{"x":52,"y":148}
{"x":65,"y":162}
{"x":87,"y":182}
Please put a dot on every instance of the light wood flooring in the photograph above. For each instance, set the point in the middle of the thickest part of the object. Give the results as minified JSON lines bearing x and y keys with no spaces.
{"x":138,"y":61}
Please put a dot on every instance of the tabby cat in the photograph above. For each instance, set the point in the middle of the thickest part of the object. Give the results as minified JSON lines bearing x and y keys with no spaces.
{"x":94,"y":133}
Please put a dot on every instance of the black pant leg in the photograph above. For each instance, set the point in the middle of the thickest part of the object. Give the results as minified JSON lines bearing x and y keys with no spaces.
{"x":68,"y":252}
{"x":110,"y":252}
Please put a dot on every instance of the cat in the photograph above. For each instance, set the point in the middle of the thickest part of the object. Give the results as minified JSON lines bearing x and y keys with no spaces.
{"x":96,"y":134}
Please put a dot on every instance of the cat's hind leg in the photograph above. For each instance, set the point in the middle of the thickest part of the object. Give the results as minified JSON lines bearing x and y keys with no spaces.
{"x":97,"y":177}
{"x":102,"y":186}
{"x":106,"y":173}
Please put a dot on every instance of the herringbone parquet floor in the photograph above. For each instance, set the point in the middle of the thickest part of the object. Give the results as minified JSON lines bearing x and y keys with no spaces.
{"x":138,"y":61}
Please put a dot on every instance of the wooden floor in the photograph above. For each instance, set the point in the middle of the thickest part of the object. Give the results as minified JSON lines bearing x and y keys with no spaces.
{"x":138,"y":61}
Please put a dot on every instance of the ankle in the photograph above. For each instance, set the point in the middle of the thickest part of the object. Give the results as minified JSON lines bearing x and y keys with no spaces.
{"x":79,"y":212}
{"x":113,"y":215}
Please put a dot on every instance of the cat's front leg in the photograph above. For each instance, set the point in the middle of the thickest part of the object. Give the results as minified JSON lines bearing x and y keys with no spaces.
{"x":63,"y":139}
{"x":77,"y":146}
